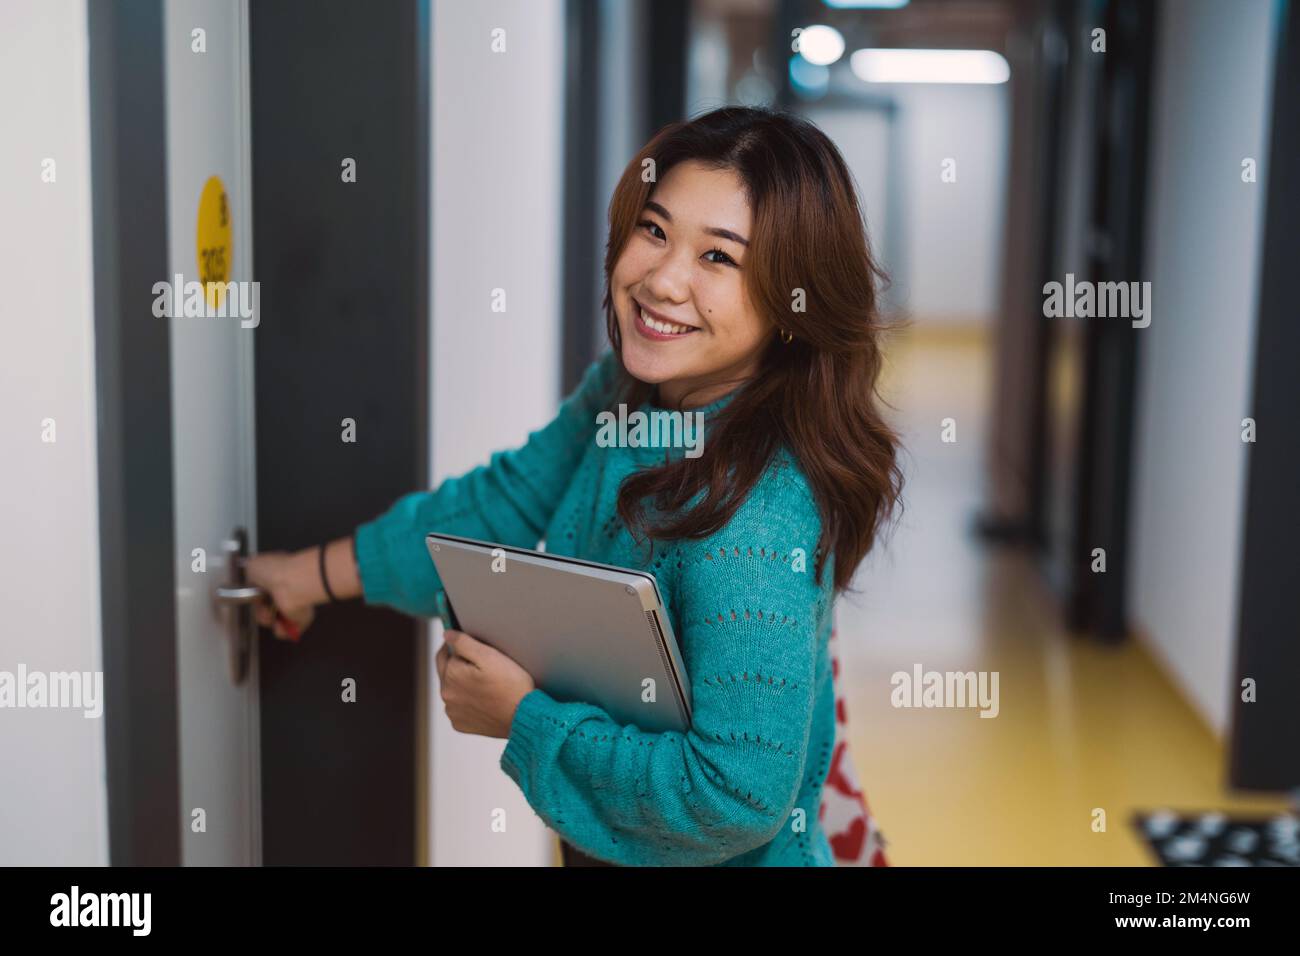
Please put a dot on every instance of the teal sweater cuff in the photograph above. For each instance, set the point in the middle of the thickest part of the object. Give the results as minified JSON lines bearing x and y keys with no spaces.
{"x":372,"y":566}
{"x":535,"y":716}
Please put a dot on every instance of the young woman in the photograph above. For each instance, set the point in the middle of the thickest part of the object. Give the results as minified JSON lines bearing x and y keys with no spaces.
{"x":739,"y":285}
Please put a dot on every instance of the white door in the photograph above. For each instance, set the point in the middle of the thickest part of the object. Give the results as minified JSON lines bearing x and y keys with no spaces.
{"x":206,"y":61}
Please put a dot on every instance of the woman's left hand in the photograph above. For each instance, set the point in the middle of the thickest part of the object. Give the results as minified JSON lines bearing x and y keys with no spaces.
{"x":481,"y":687}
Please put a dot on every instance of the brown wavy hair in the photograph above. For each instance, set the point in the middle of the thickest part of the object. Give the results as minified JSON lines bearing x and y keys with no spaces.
{"x":817,"y":395}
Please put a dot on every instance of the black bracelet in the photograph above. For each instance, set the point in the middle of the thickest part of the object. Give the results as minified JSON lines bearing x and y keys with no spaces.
{"x":325,"y":580}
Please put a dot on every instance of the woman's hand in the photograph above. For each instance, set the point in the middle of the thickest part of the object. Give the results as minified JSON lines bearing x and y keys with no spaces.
{"x":481,"y":687}
{"x":284,"y":577}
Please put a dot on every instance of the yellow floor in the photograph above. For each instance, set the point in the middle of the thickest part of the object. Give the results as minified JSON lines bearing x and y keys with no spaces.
{"x":1080,"y":726}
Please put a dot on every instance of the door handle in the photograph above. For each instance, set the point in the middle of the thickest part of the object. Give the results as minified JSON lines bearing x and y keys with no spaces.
{"x":239,"y":594}
{"x":234,"y":601}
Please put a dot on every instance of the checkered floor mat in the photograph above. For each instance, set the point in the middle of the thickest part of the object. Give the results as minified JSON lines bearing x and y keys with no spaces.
{"x":1214,"y":839}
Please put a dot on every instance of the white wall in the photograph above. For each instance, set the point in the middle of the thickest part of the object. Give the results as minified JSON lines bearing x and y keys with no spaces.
{"x":53,"y":803}
{"x":953,"y":231}
{"x":863,"y":139}
{"x":946,"y":264}
{"x":497,"y":126}
{"x":1213,"y":99}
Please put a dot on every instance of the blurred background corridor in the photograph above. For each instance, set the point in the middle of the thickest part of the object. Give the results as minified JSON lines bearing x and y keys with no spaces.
{"x":1081,"y":724}
{"x":1100,"y":509}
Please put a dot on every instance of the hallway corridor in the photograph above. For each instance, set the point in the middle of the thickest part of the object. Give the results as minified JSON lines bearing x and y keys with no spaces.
{"x":1080,"y":726}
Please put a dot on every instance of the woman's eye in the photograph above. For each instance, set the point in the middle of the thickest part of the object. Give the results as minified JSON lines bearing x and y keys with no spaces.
{"x":652,"y":228}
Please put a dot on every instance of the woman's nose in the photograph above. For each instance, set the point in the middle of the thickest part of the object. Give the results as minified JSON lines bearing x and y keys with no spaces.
{"x":670,"y":280}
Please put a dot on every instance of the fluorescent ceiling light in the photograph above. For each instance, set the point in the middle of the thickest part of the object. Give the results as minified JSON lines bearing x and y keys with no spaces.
{"x":865,"y":4}
{"x":929,"y":66}
{"x":821,"y":45}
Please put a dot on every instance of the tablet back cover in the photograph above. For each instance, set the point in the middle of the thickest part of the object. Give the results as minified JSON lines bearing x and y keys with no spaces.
{"x":584,"y":634}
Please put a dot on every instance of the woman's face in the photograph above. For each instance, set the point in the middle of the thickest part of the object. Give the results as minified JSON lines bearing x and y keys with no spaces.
{"x":682,"y":269}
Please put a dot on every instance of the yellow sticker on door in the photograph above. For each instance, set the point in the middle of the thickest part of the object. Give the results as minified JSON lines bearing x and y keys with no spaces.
{"x":214,"y":241}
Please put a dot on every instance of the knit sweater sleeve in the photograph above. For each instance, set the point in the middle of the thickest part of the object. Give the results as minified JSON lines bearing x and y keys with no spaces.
{"x":509,"y":500}
{"x":749,"y":610}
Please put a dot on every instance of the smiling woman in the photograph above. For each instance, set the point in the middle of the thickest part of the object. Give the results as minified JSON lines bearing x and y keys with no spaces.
{"x":754,"y":239}
{"x":739,"y":288}
{"x":680,"y":279}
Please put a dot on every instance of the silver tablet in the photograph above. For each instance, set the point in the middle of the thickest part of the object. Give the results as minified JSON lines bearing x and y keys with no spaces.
{"x":584,"y":631}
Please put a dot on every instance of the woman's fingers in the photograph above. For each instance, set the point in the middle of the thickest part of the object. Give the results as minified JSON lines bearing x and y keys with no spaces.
{"x":265,"y":616}
{"x":443,"y":655}
{"x":294,"y":624}
{"x":285,"y":627}
{"x":278,"y":609}
{"x":269,"y":617}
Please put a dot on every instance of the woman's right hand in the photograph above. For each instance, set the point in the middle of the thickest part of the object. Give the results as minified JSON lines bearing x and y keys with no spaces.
{"x":286,"y":579}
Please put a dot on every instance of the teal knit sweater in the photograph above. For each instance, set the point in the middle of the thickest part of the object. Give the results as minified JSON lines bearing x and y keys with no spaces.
{"x":743,"y":786}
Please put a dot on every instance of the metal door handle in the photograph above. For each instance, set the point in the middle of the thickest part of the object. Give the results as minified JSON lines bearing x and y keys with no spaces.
{"x":234,"y":600}
{"x":239,"y":594}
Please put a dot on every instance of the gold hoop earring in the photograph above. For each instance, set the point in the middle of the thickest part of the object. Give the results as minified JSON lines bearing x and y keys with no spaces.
{"x":786,"y":336}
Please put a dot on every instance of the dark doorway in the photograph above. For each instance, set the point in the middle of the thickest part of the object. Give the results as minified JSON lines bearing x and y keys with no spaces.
{"x":343,"y":270}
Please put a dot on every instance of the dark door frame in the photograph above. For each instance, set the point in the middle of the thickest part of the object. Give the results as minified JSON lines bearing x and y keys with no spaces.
{"x":1263,"y":751}
{"x":137,"y":564}
{"x":1095,"y":602}
{"x":582,"y":143}
{"x":667,"y":31}
{"x":1019,"y":438}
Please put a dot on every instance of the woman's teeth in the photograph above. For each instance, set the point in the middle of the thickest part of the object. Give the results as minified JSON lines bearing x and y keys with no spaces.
{"x":665,"y":328}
